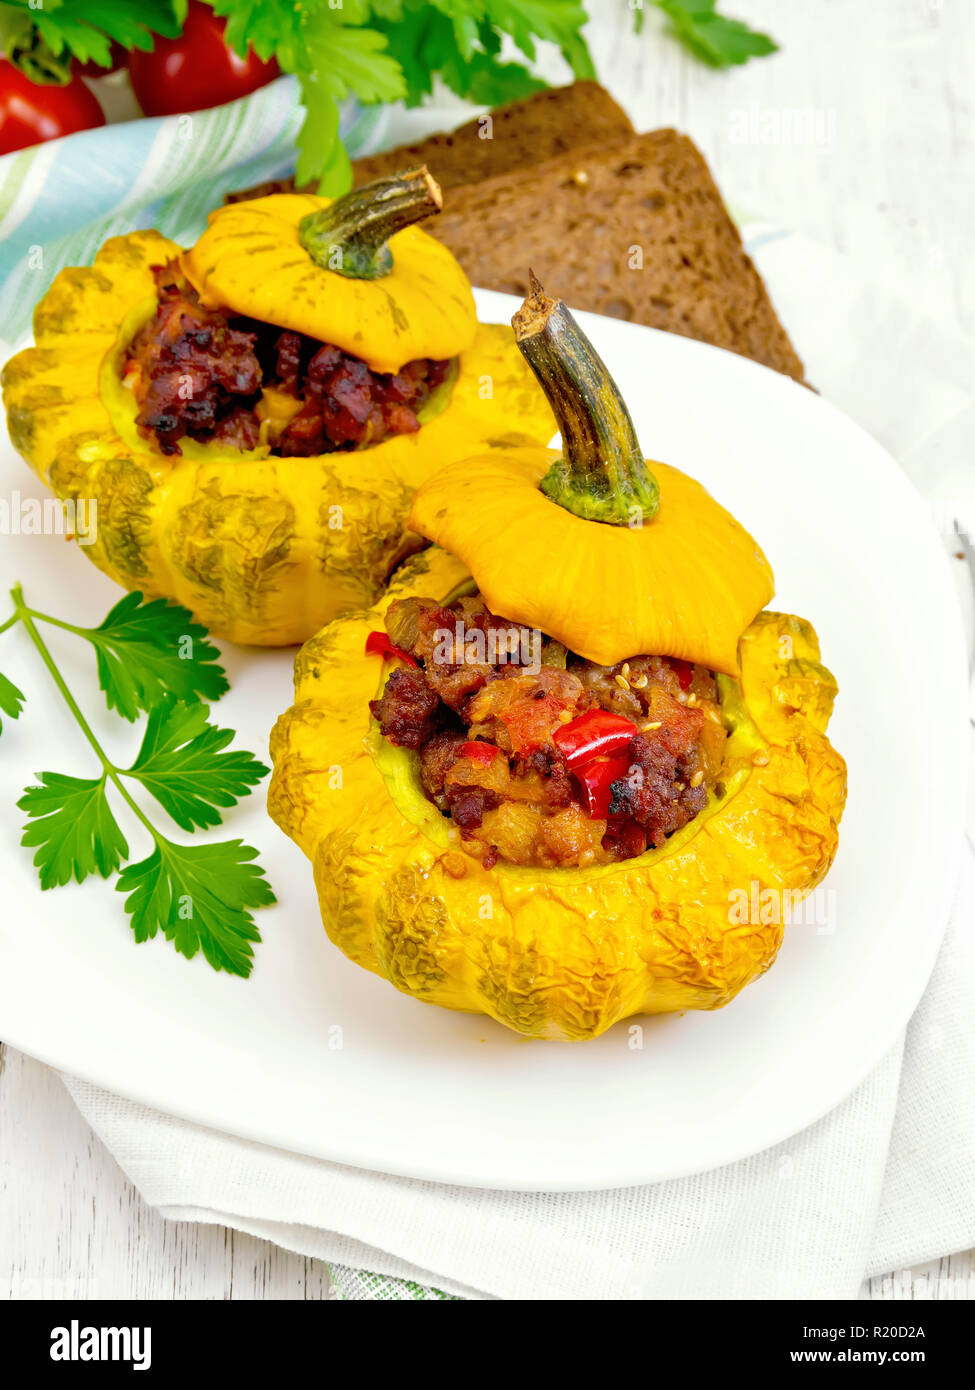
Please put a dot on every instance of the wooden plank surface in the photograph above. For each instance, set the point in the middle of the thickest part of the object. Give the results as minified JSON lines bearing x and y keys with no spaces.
{"x":859,"y":133}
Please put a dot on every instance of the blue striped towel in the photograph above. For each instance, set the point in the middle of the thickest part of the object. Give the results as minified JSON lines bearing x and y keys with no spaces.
{"x":59,"y":201}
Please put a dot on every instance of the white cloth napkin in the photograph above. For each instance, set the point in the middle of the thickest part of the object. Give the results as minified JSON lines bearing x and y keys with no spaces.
{"x":886,"y":1180}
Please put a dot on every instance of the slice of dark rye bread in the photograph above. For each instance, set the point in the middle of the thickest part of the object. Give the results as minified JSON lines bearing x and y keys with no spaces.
{"x":636,"y":230}
{"x":541,"y":126}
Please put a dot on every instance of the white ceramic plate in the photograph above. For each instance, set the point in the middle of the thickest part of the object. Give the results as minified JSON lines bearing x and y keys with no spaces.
{"x":419,"y":1091}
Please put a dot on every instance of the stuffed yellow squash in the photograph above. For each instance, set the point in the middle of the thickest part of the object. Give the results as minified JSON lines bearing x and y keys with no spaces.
{"x":252,"y":416}
{"x":537,"y":779}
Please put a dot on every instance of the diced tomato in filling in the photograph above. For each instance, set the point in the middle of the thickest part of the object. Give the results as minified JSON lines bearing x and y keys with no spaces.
{"x":531,"y":722}
{"x":538,"y":756}
{"x":200,"y":374}
{"x":480,"y":753}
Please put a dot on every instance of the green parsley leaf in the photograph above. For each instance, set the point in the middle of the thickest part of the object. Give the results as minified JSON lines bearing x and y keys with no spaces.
{"x":148,"y":650}
{"x":388,"y":50}
{"x":335,"y":173}
{"x":318,"y":141}
{"x":719,"y":42}
{"x":182,"y":764}
{"x":487,"y":82}
{"x":491,"y":40}
{"x":576,"y":53}
{"x":558,"y":21}
{"x":127,"y":20}
{"x":425,"y":43}
{"x":86,"y":28}
{"x":71,"y":823}
{"x":271,"y":27}
{"x":332,"y":60}
{"x":11,"y":699}
{"x":421,"y":41}
{"x":198,"y":895}
{"x":346,"y":59}
{"x":463,"y":17}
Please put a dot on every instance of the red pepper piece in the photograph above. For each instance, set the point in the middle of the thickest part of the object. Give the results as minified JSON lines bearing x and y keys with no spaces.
{"x":480,"y":752}
{"x":378,"y":644}
{"x":594,"y":734}
{"x":595,"y":782}
{"x":684,"y":671}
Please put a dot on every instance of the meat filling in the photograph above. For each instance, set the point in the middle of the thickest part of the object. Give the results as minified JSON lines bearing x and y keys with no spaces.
{"x":197,"y":373}
{"x":538,"y":756}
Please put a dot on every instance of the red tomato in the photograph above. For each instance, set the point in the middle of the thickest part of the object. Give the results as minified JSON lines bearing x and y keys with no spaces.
{"x":196,"y":70}
{"x":30,"y":112}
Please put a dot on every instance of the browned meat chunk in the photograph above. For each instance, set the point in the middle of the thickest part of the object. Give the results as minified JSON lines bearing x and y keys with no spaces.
{"x":346,"y":405}
{"x":467,"y":806}
{"x":465,"y":646}
{"x":437,"y":757}
{"x":238,"y":430}
{"x":408,"y":711}
{"x":287,"y":361}
{"x":549,"y":765}
{"x":193,"y":369}
{"x":626,"y":688}
{"x":656,"y":792}
{"x":446,"y":662}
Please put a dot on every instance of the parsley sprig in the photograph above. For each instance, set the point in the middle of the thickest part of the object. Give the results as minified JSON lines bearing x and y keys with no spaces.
{"x":151,"y":658}
{"x":148,"y":650}
{"x":716,"y":40}
{"x":376,"y":50}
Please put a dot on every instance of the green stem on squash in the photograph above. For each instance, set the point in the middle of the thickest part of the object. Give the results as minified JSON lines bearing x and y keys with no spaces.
{"x":350,"y":235}
{"x":601,"y":474}
{"x":110,"y":772}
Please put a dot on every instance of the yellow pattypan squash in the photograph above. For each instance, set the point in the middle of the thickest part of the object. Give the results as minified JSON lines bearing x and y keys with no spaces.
{"x":567,"y":952}
{"x":264,"y":549}
{"x":670,"y":572}
{"x":556,"y":953}
{"x":280,"y":259}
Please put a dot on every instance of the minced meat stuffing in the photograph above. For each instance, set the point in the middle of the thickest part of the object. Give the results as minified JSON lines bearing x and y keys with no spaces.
{"x":197,"y":373}
{"x":491,"y":713}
